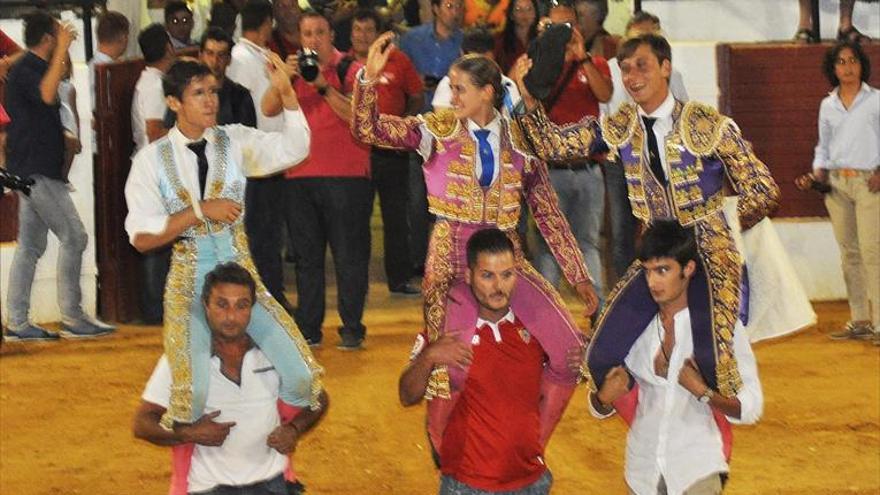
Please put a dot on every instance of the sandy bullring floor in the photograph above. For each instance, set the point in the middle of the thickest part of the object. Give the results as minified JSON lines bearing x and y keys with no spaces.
{"x":66,"y":409}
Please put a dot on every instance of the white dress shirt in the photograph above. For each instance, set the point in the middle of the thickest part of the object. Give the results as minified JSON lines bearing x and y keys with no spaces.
{"x":252,"y":153}
{"x":244,"y":458}
{"x":849,"y":138}
{"x":248,"y":68}
{"x":620,"y":96}
{"x":673,"y":434}
{"x":148,"y":103}
{"x":662,"y":127}
{"x":494,"y":127}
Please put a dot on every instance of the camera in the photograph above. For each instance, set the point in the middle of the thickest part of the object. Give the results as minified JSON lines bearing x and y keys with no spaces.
{"x":11,"y":181}
{"x":308,"y":64}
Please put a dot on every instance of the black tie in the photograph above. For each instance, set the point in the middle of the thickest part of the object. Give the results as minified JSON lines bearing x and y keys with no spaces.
{"x":654,"y":151}
{"x":198,"y":147}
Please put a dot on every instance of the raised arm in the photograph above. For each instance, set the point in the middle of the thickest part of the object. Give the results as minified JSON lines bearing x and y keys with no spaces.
{"x":370,"y":127}
{"x":548,"y":140}
{"x":758,"y":192}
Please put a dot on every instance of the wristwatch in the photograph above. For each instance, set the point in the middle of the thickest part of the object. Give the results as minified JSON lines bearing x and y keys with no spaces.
{"x":322,"y":90}
{"x":707,"y":396}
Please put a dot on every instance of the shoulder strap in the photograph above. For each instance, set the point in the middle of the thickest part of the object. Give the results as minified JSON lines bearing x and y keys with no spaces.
{"x":342,"y":70}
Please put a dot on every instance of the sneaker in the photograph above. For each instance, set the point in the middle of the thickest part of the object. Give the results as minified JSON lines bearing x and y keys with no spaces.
{"x":405,"y":290}
{"x":85,"y":329}
{"x":30,"y":333}
{"x":854,"y":332}
{"x":99,"y":324}
{"x":350,"y":340}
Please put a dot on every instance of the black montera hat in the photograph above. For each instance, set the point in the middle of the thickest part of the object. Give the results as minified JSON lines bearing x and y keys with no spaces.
{"x":547,"y":53}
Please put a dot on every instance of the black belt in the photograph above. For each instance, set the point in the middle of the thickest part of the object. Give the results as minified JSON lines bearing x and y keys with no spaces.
{"x":572,"y":165}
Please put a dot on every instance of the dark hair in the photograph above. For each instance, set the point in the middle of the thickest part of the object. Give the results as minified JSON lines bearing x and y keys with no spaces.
{"x":223,"y":16}
{"x":830,"y":61}
{"x":640,"y":17}
{"x":36,"y":25}
{"x":154,"y":41}
{"x":112,"y":26}
{"x":668,"y":239}
{"x":228,"y":273}
{"x":174,"y":6}
{"x":508,"y":36}
{"x":362,"y":14}
{"x":314,"y":14}
{"x":491,"y":241}
{"x":657,"y":43}
{"x":601,"y":8}
{"x":477,"y":40}
{"x":180,"y":75}
{"x":255,"y":13}
{"x":215,"y":33}
{"x":483,"y":71}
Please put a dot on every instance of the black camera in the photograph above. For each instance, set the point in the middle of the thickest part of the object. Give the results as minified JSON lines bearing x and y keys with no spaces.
{"x":14,"y":182}
{"x":308,"y":64}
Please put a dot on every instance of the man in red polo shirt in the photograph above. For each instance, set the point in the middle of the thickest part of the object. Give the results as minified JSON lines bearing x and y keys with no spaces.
{"x":584,"y":82}
{"x":329,"y":195}
{"x":400,"y":93}
{"x":490,"y":435}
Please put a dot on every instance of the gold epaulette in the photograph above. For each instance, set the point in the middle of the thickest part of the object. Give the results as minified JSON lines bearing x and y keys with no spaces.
{"x":618,"y":127}
{"x":701,"y":128}
{"x":442,"y":123}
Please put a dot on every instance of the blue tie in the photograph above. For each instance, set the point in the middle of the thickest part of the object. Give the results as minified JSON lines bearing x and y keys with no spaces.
{"x":487,"y":158}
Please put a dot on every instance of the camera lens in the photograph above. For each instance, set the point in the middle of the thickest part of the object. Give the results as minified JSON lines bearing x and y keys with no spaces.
{"x":308,"y":64}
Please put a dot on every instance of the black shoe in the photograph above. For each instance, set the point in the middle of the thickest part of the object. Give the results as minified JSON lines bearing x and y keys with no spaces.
{"x":30,"y":333}
{"x":405,"y":289}
{"x":351,"y":340}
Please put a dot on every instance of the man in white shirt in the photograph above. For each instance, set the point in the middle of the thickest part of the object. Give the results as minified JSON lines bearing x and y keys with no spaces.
{"x":147,"y":114}
{"x":264,"y":198}
{"x":112,"y":34}
{"x":241,"y":441}
{"x":679,"y":437}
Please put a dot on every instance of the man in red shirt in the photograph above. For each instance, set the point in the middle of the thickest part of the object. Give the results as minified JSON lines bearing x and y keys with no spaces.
{"x":401,"y":93}
{"x":584,"y":82}
{"x":329,"y":195}
{"x":490,"y":435}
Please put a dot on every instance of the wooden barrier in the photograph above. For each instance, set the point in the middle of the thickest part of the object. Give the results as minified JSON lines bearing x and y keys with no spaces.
{"x":773,"y":91}
{"x":119,"y":264}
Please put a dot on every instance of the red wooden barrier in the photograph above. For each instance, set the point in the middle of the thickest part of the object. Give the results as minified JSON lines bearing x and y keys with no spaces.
{"x":773,"y":91}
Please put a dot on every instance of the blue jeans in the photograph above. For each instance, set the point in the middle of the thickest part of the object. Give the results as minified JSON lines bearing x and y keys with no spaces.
{"x":49,"y":207}
{"x":581,"y":196}
{"x":451,"y":486}
{"x":273,"y":486}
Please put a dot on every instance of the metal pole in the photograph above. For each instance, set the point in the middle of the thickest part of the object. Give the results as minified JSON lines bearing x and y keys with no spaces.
{"x":814,"y":15}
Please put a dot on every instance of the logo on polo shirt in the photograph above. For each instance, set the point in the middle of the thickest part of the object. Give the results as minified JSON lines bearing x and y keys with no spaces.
{"x":475,"y":340}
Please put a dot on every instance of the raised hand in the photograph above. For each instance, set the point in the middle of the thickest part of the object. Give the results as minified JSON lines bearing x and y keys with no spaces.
{"x":378,"y":55}
{"x":66,"y":34}
{"x":518,"y":73}
{"x":279,"y":73}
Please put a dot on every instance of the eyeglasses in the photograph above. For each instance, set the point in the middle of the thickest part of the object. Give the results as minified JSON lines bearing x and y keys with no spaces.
{"x":848,"y":61}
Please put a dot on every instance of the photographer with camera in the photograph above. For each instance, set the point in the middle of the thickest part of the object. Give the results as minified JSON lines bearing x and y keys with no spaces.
{"x":329,"y":196}
{"x":36,"y":152}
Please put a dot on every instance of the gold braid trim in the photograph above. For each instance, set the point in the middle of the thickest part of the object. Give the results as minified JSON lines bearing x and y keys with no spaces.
{"x":618,"y":128}
{"x":701,"y":127}
{"x":439,"y":274}
{"x":442,"y":123}
{"x":723,"y":269}
{"x":179,"y":294}
{"x":265,"y":299}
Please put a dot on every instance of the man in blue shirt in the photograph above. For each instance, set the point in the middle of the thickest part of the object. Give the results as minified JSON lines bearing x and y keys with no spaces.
{"x":36,"y":151}
{"x":433,"y":47}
